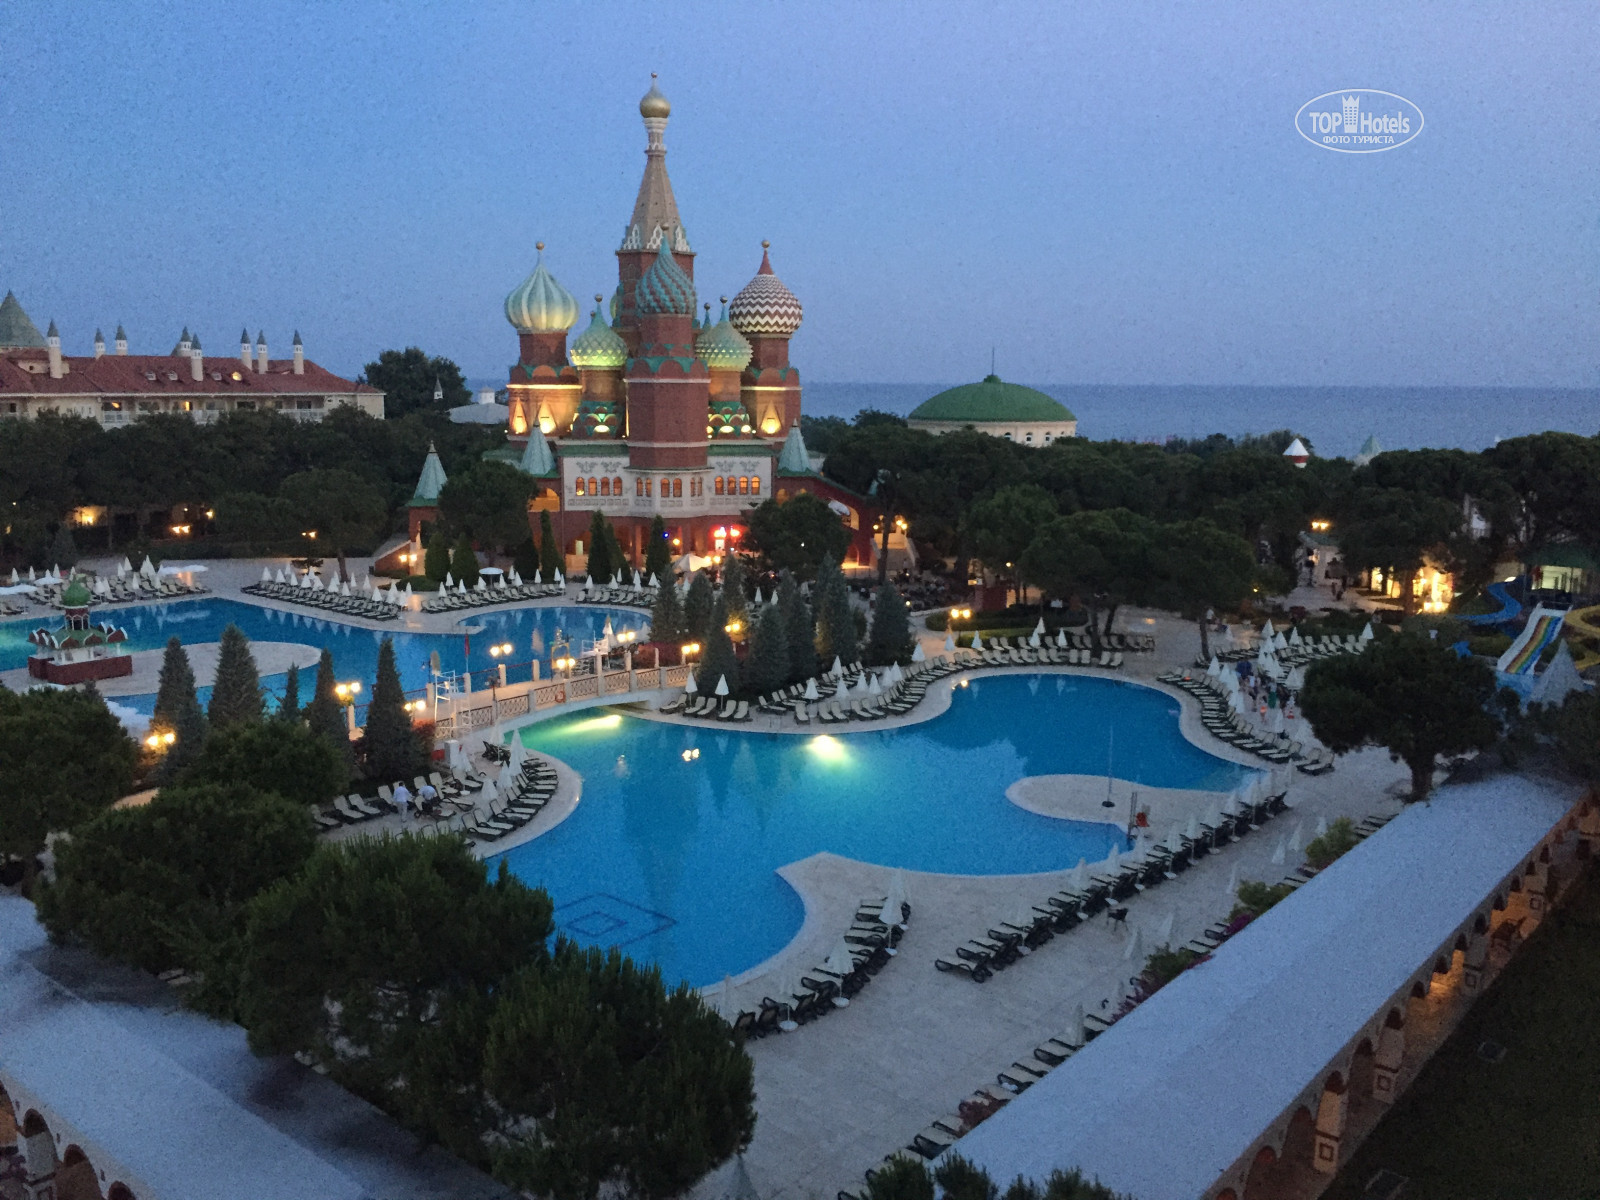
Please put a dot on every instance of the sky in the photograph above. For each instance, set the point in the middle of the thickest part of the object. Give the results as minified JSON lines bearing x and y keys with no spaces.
{"x":1095,"y":192}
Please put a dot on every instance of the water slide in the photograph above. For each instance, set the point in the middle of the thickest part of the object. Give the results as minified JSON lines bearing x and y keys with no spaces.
{"x":1587,"y":622}
{"x":1510,"y":608}
{"x":1544,"y":626}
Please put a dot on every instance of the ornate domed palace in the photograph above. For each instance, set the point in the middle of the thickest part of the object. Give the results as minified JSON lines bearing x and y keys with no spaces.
{"x":1000,"y":409}
{"x":657,"y":407}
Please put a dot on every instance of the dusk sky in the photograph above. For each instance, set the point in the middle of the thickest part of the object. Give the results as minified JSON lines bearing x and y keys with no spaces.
{"x":1104,"y":193}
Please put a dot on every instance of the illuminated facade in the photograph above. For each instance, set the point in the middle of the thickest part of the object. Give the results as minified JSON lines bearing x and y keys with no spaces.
{"x":657,"y":407}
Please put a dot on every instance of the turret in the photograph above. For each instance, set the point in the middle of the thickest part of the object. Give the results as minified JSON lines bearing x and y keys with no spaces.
{"x":768,"y":314}
{"x":52,"y":341}
{"x":122,"y":340}
{"x":99,"y":344}
{"x":261,"y":351}
{"x":299,"y":355}
{"x":244,"y":348}
{"x":197,"y":362}
{"x":655,"y":218}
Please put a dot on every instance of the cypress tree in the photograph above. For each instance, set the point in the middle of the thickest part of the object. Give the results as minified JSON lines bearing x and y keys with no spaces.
{"x":390,"y":746}
{"x":236,"y":691}
{"x":177,"y":711}
{"x":525,"y":558}
{"x":666,"y":616}
{"x":836,"y":621}
{"x":890,"y":640}
{"x":697,"y":607}
{"x":289,"y":706}
{"x":799,"y":628}
{"x":719,"y":660}
{"x":436,"y":560}
{"x":600,"y":566}
{"x":325,"y":714}
{"x":550,"y":557}
{"x":767,"y":668}
{"x":621,"y":568}
{"x":733,"y":582}
{"x":464,"y":563}
{"x":658,"y":553}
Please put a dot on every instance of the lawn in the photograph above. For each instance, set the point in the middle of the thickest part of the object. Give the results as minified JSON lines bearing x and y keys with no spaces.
{"x":1529,"y":1125}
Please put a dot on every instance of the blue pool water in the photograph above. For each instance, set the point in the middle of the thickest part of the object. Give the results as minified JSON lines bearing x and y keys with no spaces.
{"x":355,"y":650}
{"x":674,"y":859}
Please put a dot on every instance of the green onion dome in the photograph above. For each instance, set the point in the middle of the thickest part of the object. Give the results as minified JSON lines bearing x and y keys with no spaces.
{"x":540,"y":304}
{"x":76,"y":594}
{"x":721,"y":346}
{"x":765,"y":305}
{"x":664,"y":288}
{"x":598,"y":348}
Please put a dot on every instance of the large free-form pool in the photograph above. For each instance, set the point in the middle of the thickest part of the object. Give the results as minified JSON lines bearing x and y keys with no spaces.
{"x":673,"y":858}
{"x":355,"y":648}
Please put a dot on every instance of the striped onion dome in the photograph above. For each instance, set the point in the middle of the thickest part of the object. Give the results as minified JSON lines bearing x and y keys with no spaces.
{"x":541,"y":305}
{"x":764,"y":305}
{"x":721,"y":345}
{"x":664,"y":288}
{"x":598,"y":347}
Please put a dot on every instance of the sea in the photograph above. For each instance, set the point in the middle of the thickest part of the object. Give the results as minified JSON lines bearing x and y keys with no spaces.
{"x":1335,"y":420}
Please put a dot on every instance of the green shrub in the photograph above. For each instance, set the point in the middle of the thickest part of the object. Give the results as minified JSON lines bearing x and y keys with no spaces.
{"x":1446,"y":630}
{"x":1255,"y":898}
{"x":1489,"y":645}
{"x":1165,"y":964}
{"x":1339,"y":840}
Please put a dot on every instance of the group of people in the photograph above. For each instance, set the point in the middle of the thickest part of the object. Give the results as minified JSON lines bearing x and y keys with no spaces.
{"x":424,"y":802}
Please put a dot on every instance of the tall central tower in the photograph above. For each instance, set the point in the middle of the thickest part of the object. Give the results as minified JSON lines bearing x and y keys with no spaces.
{"x":655,"y":219}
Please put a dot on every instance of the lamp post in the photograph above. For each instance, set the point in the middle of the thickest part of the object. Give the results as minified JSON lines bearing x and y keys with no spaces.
{"x":627,"y":638}
{"x":160,"y":742}
{"x":880,"y":489}
{"x":347,"y":693}
{"x":503,"y":650}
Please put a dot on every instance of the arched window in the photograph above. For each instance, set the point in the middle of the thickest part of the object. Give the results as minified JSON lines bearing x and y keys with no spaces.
{"x":594,"y":486}
{"x":677,"y":487}
{"x":755,"y":485}
{"x":616,"y":485}
{"x":582,"y":486}
{"x":719,"y":485}
{"x":744,"y":485}
{"x":649,"y":486}
{"x":638,"y":486}
{"x":605,"y":487}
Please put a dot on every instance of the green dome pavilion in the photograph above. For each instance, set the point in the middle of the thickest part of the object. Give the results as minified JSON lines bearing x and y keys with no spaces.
{"x":995,"y":407}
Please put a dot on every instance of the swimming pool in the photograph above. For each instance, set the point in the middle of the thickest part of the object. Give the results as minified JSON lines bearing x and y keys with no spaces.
{"x":355,"y":648}
{"x":673,"y":858}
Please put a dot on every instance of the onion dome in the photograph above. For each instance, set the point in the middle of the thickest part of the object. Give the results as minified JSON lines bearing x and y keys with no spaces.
{"x":598,"y":348}
{"x":654,"y":104}
{"x":664,"y":288}
{"x":764,"y":305}
{"x":75,"y":594}
{"x":540,"y":304}
{"x":722,"y":347}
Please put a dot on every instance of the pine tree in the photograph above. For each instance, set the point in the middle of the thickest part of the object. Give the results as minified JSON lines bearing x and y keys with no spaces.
{"x":697,"y":608}
{"x":666,"y":617}
{"x":550,"y":556}
{"x":390,"y":746}
{"x":733,"y":595}
{"x":621,"y":568}
{"x":799,"y":628}
{"x":658,"y":553}
{"x":464,"y":563}
{"x":525,"y":558}
{"x":890,"y":640}
{"x":767,"y":667}
{"x":236,"y":691}
{"x":177,"y":711}
{"x":436,"y":561}
{"x":289,"y":706}
{"x":718,"y":660}
{"x":325,"y":714}
{"x":600,"y":567}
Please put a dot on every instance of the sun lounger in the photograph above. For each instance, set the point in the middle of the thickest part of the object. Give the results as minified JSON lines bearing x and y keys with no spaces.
{"x":932,"y":1142}
{"x":324,"y":819}
{"x":365,"y":807}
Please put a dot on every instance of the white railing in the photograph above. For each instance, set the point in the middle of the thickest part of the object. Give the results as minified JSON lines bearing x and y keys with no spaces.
{"x":461,"y":714}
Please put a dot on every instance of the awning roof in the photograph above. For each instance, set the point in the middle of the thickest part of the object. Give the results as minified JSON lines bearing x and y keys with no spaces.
{"x":1176,"y":1092}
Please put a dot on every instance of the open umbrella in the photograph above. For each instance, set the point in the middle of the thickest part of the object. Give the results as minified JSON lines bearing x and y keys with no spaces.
{"x":722,"y":685}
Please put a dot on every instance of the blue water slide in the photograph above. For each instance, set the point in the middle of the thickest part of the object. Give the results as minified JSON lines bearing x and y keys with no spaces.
{"x":1510,"y":608}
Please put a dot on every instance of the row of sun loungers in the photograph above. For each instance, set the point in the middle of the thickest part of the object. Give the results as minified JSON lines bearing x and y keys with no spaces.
{"x":1223,"y":722}
{"x":355,"y":808}
{"x":871,"y":942}
{"x":326,"y":599}
{"x":636,"y":597}
{"x":1027,"y":656}
{"x":1309,"y":649}
{"x":1008,"y":941}
{"x":449,"y":601}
